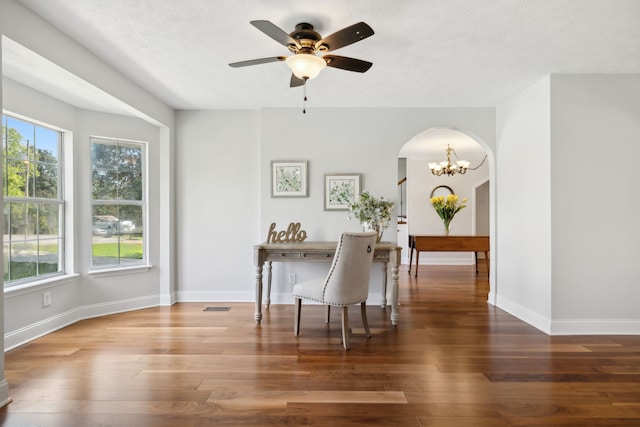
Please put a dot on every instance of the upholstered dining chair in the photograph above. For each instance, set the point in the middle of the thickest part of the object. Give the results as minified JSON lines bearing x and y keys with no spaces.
{"x":347,"y":282}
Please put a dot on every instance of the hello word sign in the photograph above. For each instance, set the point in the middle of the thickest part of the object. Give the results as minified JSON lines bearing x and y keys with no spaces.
{"x":292,"y":234}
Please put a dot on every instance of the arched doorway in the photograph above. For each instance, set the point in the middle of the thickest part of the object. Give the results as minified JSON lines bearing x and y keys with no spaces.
{"x":415,"y":192}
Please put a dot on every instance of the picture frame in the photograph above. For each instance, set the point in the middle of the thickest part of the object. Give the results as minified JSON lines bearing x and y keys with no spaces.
{"x":339,"y":186}
{"x":289,"y":178}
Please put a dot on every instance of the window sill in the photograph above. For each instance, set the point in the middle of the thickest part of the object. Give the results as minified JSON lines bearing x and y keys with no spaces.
{"x":120,"y":270}
{"x":49,"y":282}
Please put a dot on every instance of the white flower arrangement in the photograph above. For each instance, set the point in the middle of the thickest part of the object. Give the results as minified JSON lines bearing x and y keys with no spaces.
{"x":374,"y":212}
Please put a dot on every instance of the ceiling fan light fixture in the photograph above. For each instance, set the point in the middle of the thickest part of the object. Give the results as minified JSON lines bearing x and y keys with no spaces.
{"x":305,"y":65}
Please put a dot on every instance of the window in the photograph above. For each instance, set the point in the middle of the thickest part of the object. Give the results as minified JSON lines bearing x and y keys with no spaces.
{"x":117,"y":203}
{"x":33,"y":218}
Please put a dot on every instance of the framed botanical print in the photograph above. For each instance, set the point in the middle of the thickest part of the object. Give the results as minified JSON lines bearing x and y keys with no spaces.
{"x":289,"y":178}
{"x":340,"y":191}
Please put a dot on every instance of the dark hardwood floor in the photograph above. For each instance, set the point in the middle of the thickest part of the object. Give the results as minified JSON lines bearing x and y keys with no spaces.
{"x":453,"y":360}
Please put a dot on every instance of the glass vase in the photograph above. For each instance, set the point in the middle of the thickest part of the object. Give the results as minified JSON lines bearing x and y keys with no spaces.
{"x":374,"y":227}
{"x":447,"y":228}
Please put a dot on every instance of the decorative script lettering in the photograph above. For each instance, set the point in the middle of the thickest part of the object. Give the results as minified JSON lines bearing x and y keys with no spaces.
{"x":291,"y":235}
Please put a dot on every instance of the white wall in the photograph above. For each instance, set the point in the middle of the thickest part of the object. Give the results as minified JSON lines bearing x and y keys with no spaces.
{"x":595,"y":130}
{"x":365,"y":141}
{"x":218,"y":204}
{"x":523,"y":207}
{"x":568,"y":230}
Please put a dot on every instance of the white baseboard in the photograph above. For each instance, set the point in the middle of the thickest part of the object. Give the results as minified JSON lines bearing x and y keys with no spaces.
{"x":4,"y":393}
{"x":531,"y":317}
{"x":570,"y":326}
{"x":168,"y":299}
{"x":595,"y":327}
{"x":492,"y":297}
{"x":28,"y":333}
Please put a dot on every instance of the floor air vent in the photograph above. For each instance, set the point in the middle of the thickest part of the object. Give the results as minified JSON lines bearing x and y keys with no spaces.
{"x":217,"y":308}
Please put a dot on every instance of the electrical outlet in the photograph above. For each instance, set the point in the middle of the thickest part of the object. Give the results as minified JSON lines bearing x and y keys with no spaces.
{"x":292,"y":278}
{"x":46,"y":299}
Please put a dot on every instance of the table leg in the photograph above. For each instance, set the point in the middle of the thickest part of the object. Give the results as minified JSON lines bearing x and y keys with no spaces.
{"x":395,"y":316}
{"x":476,"y":254}
{"x":267,"y":301}
{"x":410,"y":258}
{"x":258,"y":313}
{"x":417,"y":261}
{"x":383,"y":303}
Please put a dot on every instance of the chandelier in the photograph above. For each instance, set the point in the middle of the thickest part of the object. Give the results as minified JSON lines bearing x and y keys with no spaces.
{"x":447,"y":168}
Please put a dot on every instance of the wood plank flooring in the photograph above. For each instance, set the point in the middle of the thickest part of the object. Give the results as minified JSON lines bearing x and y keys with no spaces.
{"x":453,"y":360}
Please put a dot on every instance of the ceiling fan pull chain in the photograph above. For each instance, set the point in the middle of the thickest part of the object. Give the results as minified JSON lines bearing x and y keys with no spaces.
{"x":304,"y":99}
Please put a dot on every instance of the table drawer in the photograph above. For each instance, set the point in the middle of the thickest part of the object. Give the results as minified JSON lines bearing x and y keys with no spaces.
{"x":283,"y":255}
{"x":318,"y":255}
{"x":381,"y":256}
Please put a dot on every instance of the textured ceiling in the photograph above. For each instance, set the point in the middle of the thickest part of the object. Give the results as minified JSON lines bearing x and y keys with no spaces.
{"x":425,"y":52}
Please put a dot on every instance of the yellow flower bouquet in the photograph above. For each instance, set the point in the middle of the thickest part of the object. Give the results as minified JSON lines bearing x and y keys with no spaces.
{"x":447,"y":208}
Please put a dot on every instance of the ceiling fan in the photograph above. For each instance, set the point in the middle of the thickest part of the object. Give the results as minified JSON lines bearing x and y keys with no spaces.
{"x":304,"y":42}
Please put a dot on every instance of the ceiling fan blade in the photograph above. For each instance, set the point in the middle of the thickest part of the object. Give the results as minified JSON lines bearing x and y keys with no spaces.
{"x":257,"y":61}
{"x":275,"y":33}
{"x":345,"y":37}
{"x":349,"y":64}
{"x":296,"y":81}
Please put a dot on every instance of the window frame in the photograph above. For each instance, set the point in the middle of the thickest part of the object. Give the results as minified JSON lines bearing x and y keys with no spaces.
{"x":143,"y":263}
{"x":60,"y":201}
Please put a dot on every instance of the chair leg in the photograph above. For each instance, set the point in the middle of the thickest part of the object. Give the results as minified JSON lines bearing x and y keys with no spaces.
{"x":345,"y":327}
{"x":296,"y":316}
{"x":363,"y":310}
{"x":328,"y":311}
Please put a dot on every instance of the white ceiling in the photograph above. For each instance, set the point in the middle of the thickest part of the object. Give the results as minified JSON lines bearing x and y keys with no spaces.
{"x":425,"y":53}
